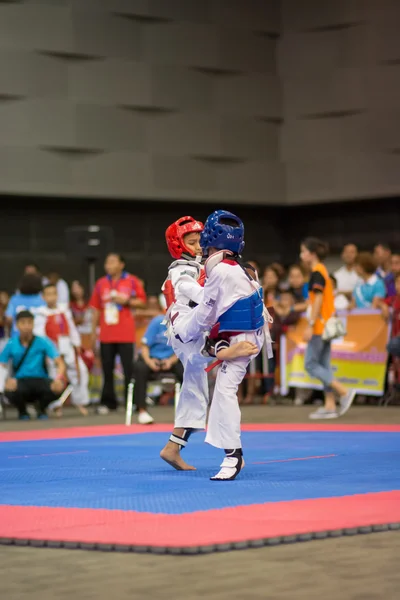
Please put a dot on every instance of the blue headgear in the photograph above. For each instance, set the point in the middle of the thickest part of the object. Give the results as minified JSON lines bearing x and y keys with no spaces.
{"x":221,"y":236}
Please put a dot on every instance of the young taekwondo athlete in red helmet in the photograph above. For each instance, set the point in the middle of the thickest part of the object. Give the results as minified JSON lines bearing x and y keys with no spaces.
{"x":183,"y":291}
{"x":233,"y":299}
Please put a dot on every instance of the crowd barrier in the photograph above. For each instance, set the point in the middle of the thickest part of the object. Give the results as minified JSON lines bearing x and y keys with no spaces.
{"x":359,"y":359}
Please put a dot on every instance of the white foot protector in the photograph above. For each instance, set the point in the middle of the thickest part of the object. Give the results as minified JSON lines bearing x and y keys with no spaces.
{"x":230,"y":469}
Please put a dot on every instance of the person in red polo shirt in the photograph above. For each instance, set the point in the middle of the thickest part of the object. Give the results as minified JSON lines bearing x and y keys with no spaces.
{"x":114,"y":296}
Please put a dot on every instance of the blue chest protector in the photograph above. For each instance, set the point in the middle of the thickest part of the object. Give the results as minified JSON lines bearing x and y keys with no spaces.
{"x":245,"y":315}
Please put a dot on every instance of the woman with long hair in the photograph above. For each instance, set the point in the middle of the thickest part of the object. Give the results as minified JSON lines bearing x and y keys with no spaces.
{"x":321,"y":308}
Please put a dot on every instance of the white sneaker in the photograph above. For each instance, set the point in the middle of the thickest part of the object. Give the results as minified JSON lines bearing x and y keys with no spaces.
{"x":144,"y":418}
{"x":346,"y":402}
{"x":102,"y":410}
{"x":322,"y":413}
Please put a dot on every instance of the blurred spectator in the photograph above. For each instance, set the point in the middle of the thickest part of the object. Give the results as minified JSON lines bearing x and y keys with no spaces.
{"x":341,"y":301}
{"x":4,"y":300}
{"x":371,"y":290}
{"x":156,"y":356}
{"x":347,"y":277}
{"x":113,"y":299}
{"x":55,"y":321}
{"x":382,"y":257}
{"x":33,"y":269}
{"x":285,"y":315}
{"x":62,"y":287}
{"x":299,"y":287}
{"x":280,"y":269}
{"x":27,"y":298}
{"x":318,"y":351}
{"x":270,"y":282}
{"x":390,"y":277}
{"x":393,"y":304}
{"x":80,"y":309}
{"x":30,"y":381}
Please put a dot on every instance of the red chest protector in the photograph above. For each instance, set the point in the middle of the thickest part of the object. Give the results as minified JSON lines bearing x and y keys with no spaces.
{"x":56,"y":326}
{"x":169,"y":292}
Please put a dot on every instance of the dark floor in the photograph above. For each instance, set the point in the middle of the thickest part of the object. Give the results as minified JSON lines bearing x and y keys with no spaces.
{"x":364,"y":567}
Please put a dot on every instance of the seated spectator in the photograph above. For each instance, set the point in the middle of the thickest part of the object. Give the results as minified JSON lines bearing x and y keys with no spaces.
{"x":4,"y":300}
{"x":393,"y":304}
{"x":156,"y":356}
{"x":370,"y":292}
{"x":347,"y":277}
{"x":382,"y":257}
{"x":80,"y":309}
{"x":299,"y":287}
{"x":30,"y":381}
{"x":285,"y":315}
{"x":62,"y":287}
{"x":270,"y":282}
{"x":390,"y":277}
{"x":341,"y":302}
{"x":28,"y":297}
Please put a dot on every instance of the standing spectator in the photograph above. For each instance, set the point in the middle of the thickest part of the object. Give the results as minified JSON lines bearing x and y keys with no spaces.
{"x":318,"y":352}
{"x":55,"y":321}
{"x":28,"y":297}
{"x":30,"y":381}
{"x":80,"y":308}
{"x":347,"y":277}
{"x":382,"y":257}
{"x":393,"y":304}
{"x":113,"y":299}
{"x":371,"y":289}
{"x":390,"y":277}
{"x":156,"y":356}
{"x":62,"y":287}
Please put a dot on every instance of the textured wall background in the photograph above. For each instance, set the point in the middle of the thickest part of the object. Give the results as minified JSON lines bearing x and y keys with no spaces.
{"x":339,"y":61}
{"x":184,"y":99}
{"x":161,"y":99}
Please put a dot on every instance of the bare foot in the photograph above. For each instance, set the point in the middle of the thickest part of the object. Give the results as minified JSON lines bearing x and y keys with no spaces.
{"x":83,"y":410}
{"x":171,"y":454}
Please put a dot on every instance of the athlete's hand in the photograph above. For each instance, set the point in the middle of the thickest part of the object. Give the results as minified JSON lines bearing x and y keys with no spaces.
{"x":243,"y":349}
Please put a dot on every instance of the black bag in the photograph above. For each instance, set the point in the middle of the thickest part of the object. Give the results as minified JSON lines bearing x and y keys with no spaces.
{"x":21,"y":362}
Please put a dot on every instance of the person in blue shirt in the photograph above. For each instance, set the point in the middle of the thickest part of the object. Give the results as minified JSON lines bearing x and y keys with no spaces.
{"x":156,"y":356}
{"x":30,"y":381}
{"x":370,"y":292}
{"x":28,"y":297}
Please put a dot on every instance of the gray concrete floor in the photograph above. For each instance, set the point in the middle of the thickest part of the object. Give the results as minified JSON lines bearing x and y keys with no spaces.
{"x":364,"y":567}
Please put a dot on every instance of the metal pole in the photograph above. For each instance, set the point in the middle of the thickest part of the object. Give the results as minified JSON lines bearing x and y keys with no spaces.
{"x":129,"y":403}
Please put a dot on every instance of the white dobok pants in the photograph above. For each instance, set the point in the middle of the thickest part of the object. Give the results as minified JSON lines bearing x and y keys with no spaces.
{"x":224,"y":416}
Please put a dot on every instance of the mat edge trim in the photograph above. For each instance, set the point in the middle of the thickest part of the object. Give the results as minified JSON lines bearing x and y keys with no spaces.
{"x":201,"y":549}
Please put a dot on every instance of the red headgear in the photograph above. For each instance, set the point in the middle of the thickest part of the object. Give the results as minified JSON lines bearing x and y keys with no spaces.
{"x":175,"y":233}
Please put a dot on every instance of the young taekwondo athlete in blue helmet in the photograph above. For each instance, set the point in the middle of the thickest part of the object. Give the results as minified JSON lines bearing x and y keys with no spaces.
{"x":233,"y":309}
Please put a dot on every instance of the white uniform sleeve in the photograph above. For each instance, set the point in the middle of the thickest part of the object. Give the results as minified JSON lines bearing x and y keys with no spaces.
{"x":205,"y":315}
{"x":184,"y":281}
{"x":74,"y":334}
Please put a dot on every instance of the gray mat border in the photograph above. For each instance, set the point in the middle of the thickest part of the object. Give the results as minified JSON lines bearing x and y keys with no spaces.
{"x":198,"y":550}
